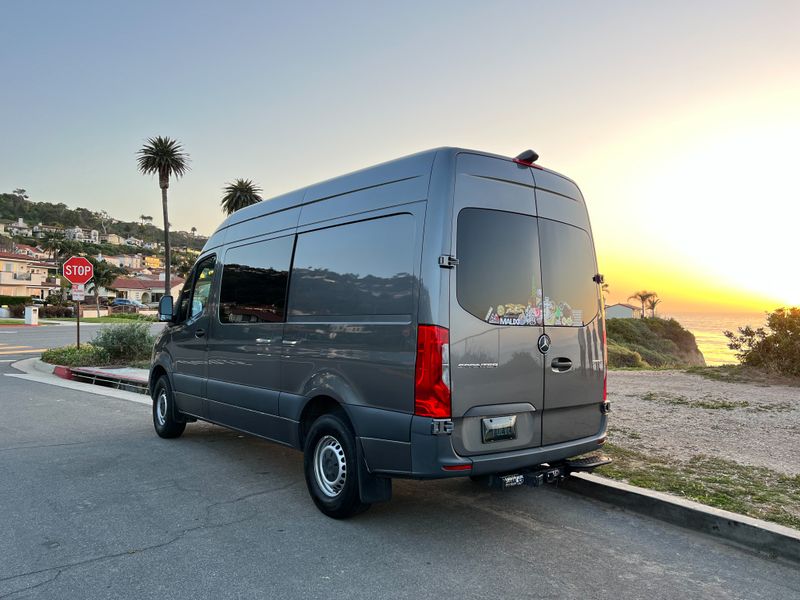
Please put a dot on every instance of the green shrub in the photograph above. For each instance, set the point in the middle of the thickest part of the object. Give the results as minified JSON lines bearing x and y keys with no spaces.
{"x":12,"y":300}
{"x":658,"y":342}
{"x":134,"y":317}
{"x":87,"y":355}
{"x":45,"y":312}
{"x":129,"y":342}
{"x":652,"y":357}
{"x":620,"y":356}
{"x":776,"y":350}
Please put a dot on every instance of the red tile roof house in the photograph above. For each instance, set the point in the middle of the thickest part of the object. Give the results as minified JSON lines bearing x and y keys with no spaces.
{"x":143,"y":290}
{"x":31,"y":251}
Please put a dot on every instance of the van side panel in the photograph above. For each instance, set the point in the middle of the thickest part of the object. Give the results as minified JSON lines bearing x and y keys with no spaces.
{"x":434,"y":295}
{"x":409,"y":167}
{"x":334,"y":344}
{"x":413,"y":189}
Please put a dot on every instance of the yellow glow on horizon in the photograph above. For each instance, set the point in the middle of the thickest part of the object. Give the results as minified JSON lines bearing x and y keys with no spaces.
{"x":706,"y":210}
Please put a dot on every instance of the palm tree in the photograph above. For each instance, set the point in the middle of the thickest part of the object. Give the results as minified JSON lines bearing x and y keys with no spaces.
{"x":239,"y":194}
{"x":105,"y":274}
{"x":165,"y":157}
{"x":642,"y":297}
{"x":651,"y":304}
{"x":604,"y":290}
{"x":51,"y":244}
{"x":194,"y":231}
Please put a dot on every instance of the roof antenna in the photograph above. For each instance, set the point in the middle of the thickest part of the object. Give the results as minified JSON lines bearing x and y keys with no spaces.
{"x":527,"y":158}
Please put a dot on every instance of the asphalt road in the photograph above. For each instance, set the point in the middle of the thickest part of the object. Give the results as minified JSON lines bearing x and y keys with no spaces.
{"x":94,"y":505}
{"x":24,"y":342}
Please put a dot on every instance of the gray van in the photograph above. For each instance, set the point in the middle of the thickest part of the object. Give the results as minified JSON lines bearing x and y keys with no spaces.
{"x":435,"y":316}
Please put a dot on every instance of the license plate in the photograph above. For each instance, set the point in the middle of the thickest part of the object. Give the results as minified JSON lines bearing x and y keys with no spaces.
{"x":497,"y":429}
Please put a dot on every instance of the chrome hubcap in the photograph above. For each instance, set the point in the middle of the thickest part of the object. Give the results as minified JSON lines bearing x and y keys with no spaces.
{"x":330,"y":466}
{"x":161,"y":408}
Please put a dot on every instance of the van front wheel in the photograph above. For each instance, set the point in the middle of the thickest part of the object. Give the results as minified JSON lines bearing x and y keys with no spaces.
{"x":164,"y":411}
{"x":331,"y":468}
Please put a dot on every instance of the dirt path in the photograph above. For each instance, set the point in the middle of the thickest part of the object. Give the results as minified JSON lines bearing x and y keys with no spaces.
{"x":679,"y":415}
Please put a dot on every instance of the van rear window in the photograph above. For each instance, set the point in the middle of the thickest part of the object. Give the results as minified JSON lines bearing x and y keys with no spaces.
{"x":498,"y":267}
{"x":363,"y":268}
{"x":568,"y":269}
{"x":500,"y":278}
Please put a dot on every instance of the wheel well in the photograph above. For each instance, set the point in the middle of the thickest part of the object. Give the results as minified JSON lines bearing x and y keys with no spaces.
{"x":156,"y":374}
{"x":315,"y":408}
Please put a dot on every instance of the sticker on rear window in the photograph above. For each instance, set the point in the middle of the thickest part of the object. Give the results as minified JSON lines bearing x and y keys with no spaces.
{"x":538,"y":311}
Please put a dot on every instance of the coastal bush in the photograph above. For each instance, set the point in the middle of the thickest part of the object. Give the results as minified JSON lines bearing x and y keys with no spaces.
{"x":620,"y":356}
{"x":129,"y":342}
{"x":657,"y":342}
{"x":775,"y":348}
{"x":87,"y":355}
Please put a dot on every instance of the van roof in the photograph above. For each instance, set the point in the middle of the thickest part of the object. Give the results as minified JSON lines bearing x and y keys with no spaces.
{"x":406,"y":167}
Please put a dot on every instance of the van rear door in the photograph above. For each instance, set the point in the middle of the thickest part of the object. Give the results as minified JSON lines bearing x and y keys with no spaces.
{"x":496,"y":370}
{"x":574,"y":364}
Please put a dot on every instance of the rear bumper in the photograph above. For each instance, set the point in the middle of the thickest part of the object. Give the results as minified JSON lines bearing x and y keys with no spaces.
{"x":431,"y":455}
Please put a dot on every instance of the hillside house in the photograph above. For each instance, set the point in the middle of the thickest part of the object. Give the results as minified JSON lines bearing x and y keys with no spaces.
{"x":31,"y":251}
{"x":145,"y":290}
{"x":112,"y":238}
{"x":23,"y":276}
{"x":79,"y":234}
{"x":20,"y":228}
{"x":623,"y":311}
{"x":41,"y":231}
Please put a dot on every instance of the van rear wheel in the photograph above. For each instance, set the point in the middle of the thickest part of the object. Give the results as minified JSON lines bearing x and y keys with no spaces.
{"x":331,"y":468}
{"x":164,"y":421}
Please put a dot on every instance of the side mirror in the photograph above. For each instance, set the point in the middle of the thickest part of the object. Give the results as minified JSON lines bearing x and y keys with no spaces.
{"x":165,"y":308}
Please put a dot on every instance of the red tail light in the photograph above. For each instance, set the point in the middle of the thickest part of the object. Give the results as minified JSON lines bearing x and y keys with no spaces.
{"x":432,"y":377}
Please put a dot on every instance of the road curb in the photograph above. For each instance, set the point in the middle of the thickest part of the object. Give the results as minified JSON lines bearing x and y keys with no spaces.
{"x":762,"y":536}
{"x":33,"y":369}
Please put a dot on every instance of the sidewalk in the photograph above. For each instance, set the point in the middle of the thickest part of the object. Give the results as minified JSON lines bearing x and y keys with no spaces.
{"x":121,"y":378}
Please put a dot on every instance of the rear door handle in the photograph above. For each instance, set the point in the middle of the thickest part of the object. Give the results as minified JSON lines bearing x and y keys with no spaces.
{"x":199,"y":333}
{"x":561,"y":364}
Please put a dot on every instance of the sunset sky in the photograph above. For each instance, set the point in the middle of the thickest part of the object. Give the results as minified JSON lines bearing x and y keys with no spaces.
{"x":680,"y":121}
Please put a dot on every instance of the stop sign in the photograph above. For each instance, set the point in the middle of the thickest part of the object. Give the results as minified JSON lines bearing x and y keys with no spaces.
{"x":78,"y":270}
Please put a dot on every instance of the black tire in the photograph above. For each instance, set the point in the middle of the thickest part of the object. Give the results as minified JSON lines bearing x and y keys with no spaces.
{"x":164,"y":421}
{"x":331,"y":467}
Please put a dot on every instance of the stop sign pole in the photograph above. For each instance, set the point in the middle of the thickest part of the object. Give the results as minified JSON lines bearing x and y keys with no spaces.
{"x":78,"y":271}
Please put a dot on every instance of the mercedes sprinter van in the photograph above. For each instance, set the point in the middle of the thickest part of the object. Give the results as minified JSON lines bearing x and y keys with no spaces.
{"x":435,"y":316}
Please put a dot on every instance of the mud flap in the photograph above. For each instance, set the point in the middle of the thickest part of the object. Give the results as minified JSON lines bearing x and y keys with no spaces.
{"x":371,"y":488}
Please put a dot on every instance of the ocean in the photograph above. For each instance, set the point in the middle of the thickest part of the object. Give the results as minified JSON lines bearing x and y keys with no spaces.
{"x":708,"y":327}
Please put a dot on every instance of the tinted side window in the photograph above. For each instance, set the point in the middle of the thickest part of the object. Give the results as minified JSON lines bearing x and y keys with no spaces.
{"x":202,"y":288}
{"x":568,"y":268}
{"x":254,"y":279}
{"x":198,"y":284}
{"x":497,"y":277}
{"x":363,"y":268}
